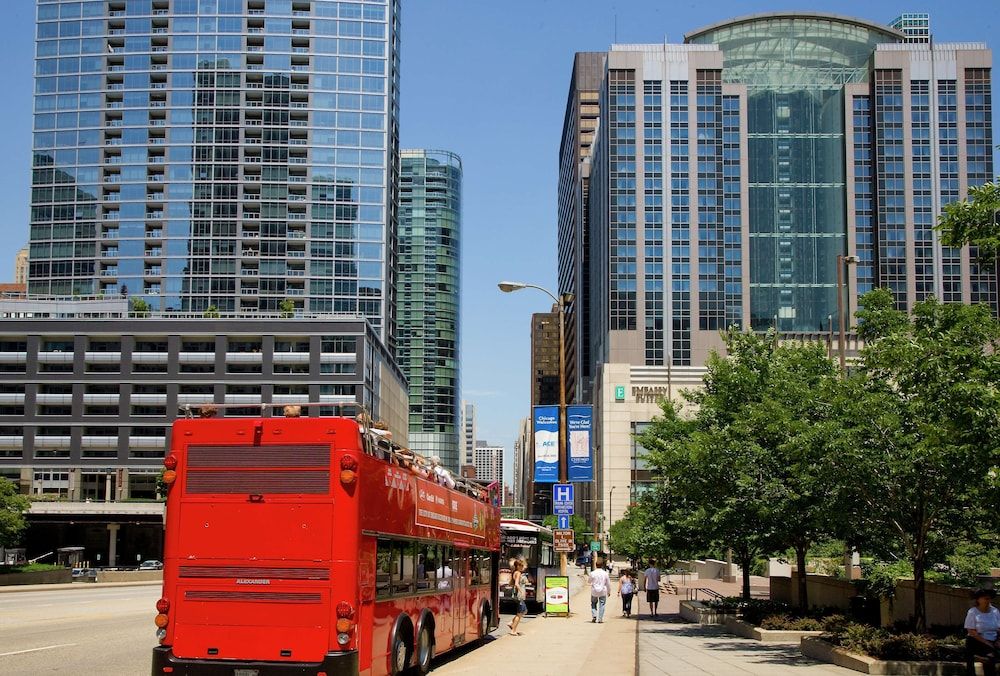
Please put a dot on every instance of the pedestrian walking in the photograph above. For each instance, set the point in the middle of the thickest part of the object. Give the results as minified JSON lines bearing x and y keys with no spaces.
{"x":626,"y":590}
{"x":600,"y":585}
{"x":652,"y":585}
{"x":520,"y":583}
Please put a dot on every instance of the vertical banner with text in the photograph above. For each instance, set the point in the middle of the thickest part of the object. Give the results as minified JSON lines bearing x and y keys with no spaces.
{"x":546,"y":419}
{"x":579,"y":423}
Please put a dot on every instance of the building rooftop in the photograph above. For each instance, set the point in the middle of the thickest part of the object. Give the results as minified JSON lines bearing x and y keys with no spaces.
{"x":890,"y":33}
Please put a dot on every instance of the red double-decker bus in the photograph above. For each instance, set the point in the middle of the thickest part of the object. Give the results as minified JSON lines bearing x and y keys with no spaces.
{"x":309,"y":545}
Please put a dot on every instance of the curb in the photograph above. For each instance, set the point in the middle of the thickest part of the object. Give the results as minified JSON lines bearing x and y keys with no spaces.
{"x":14,"y":588}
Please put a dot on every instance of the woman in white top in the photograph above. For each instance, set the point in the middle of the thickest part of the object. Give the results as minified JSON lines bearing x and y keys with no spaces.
{"x":982,"y":624}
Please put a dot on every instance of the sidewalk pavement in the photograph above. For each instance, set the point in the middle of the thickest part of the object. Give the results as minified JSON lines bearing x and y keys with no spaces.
{"x":669,"y":646}
{"x":563,"y":646}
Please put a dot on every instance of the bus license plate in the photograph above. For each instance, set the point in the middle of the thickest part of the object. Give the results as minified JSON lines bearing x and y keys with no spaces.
{"x":246,"y":672}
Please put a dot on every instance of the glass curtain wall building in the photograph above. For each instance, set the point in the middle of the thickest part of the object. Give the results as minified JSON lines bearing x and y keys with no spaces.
{"x":226,"y":153}
{"x":429,"y":271}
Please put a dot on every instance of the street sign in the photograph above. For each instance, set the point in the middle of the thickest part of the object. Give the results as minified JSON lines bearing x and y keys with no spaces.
{"x":595,"y":546}
{"x":562,"y":499}
{"x":563,"y":520}
{"x":562,"y":540}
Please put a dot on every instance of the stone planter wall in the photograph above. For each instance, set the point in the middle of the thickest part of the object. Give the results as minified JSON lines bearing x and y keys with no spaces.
{"x":747,"y":630}
{"x":696,"y":611}
{"x":823,"y":651}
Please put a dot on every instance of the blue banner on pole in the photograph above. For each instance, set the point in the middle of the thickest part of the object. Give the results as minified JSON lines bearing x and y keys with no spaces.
{"x":579,"y":424}
{"x":546,"y":420}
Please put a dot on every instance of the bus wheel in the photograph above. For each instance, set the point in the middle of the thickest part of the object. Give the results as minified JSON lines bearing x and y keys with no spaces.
{"x":484,"y":620}
{"x":425,"y":650}
{"x":399,"y":658}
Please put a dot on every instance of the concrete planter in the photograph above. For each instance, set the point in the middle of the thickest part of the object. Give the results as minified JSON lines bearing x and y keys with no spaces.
{"x":129,"y":575}
{"x":746,"y":630}
{"x":696,"y":611}
{"x":38,"y":577}
{"x":824,"y":651}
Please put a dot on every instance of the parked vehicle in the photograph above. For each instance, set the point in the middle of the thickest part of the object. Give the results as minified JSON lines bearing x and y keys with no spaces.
{"x":152,"y":564}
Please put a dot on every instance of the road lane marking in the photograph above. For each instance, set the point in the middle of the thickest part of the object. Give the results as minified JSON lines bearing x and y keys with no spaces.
{"x":35,"y":650}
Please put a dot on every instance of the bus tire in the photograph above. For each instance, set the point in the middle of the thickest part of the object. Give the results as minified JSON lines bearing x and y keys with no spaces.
{"x":401,"y":646}
{"x":425,"y":647}
{"x":484,"y":620}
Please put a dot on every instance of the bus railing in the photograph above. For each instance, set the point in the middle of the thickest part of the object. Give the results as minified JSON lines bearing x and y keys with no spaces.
{"x":377,"y":441}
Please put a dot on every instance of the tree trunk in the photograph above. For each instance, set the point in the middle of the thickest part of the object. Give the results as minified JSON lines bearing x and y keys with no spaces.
{"x":746,"y":561}
{"x":800,"y":563}
{"x":919,"y":594}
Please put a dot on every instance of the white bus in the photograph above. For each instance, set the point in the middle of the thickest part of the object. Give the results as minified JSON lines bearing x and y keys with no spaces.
{"x":521,"y":539}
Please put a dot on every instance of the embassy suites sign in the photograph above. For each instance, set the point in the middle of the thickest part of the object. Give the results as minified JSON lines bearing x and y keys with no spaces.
{"x":649,"y":394}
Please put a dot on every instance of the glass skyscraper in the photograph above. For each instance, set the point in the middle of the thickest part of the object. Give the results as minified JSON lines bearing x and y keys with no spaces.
{"x":227,"y":154}
{"x":430,"y":201}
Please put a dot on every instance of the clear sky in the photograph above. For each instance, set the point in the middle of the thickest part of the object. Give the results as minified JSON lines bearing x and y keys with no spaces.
{"x":487,"y":79}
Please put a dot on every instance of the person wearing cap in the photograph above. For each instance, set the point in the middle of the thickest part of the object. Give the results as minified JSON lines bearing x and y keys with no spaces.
{"x":982,"y":623}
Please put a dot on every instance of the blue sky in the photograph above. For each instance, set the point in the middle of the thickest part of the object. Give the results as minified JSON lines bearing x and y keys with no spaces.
{"x":486,"y":79}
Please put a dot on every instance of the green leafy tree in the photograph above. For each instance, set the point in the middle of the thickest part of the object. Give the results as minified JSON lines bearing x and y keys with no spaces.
{"x":975,"y":221}
{"x":749,"y":471}
{"x":12,"y":509}
{"x":920,"y":421}
{"x":211,"y":312}
{"x":138,"y":307}
{"x":643,"y":534}
{"x":287,"y":307}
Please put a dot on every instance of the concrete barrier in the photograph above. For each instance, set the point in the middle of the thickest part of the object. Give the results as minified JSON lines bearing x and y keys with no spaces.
{"x":38,"y":577}
{"x":129,"y":575}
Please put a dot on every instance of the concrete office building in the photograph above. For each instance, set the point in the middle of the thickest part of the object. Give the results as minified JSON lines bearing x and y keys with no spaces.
{"x":229,"y":154}
{"x":429,"y":273}
{"x":521,"y":460}
{"x":727,"y":174}
{"x":86,"y":416}
{"x":488,"y":462}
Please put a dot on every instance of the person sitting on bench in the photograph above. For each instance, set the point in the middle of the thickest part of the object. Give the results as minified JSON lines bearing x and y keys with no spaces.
{"x":982,"y":624}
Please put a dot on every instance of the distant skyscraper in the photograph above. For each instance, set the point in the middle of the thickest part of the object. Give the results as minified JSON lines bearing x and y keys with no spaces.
{"x":21,"y":266}
{"x":545,"y":358}
{"x":579,"y":128}
{"x":468,"y":432}
{"x":225,"y":153}
{"x":916,"y":27}
{"x":428,"y":315}
{"x":488,"y":461}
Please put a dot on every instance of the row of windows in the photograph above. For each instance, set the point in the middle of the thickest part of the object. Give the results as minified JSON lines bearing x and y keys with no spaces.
{"x":405,"y":567}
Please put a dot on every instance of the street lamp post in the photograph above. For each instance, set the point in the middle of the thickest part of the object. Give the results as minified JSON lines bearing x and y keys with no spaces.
{"x":842,"y":261}
{"x":561,"y":302}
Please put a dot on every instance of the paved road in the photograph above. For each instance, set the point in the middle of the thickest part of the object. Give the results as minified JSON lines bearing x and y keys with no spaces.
{"x":100,"y":631}
{"x":106,"y":631}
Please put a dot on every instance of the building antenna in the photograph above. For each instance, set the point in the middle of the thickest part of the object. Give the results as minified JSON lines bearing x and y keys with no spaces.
{"x":615,"y":40}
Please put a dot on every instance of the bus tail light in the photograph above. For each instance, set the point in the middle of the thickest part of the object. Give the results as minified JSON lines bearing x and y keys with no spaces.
{"x":169,"y":476}
{"x":345,"y":617}
{"x":348,"y":469}
{"x":161,"y":621}
{"x":170,"y":462}
{"x":163,"y":606}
